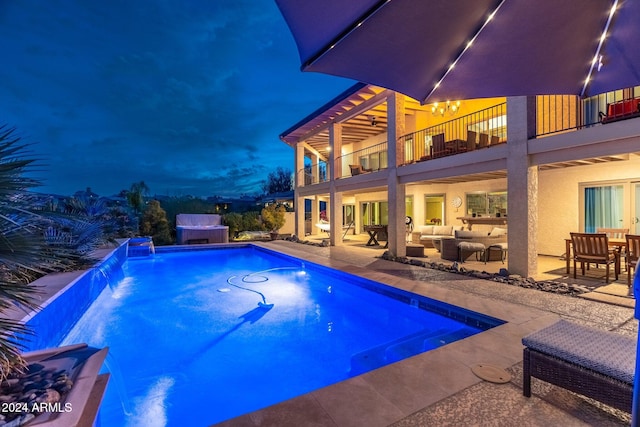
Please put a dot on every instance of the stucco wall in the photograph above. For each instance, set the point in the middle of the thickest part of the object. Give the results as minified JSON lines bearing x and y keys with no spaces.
{"x":558,"y":199}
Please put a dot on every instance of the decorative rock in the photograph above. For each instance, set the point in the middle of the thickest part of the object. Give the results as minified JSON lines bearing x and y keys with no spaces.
{"x":20,"y":420}
{"x":49,"y":396}
{"x":36,"y":385}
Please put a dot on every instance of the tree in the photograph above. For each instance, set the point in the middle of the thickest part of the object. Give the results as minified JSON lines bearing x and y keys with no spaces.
{"x":135,"y":196}
{"x":29,"y":244}
{"x":273,"y":217}
{"x":155,"y":224}
{"x":279,"y":181}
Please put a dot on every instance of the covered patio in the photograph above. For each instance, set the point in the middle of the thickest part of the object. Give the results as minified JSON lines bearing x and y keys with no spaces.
{"x":550,"y":268}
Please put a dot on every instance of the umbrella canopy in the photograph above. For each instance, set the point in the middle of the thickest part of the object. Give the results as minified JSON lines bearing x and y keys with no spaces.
{"x":455,"y":49}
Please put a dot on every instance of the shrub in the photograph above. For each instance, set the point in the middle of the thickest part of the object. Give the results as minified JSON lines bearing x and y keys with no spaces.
{"x":273,"y":217}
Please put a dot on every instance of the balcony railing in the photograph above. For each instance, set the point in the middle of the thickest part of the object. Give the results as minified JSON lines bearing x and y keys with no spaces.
{"x":371,"y":159}
{"x":563,"y":113}
{"x":482,"y":128}
{"x":314,"y":178}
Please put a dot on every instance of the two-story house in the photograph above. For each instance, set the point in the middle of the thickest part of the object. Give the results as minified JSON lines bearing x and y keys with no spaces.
{"x":549,"y":164}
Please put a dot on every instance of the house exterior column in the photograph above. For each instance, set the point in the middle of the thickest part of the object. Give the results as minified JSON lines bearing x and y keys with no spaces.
{"x":335,"y":198}
{"x":315,"y":213}
{"x":299,"y":182}
{"x":522,"y":185}
{"x":315,"y":169}
{"x":396,"y":192}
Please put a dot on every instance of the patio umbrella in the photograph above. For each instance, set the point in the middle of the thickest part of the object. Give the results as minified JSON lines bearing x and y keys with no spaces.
{"x":455,"y":49}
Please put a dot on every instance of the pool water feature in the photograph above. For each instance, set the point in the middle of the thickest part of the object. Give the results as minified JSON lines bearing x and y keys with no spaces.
{"x":184,"y":353}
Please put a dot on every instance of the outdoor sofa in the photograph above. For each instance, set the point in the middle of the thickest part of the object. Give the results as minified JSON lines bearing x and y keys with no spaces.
{"x":490,"y":246}
{"x":426,"y":234}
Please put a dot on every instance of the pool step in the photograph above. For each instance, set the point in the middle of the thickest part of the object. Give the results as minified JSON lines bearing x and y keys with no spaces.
{"x":435,"y":342}
{"x":394,"y":351}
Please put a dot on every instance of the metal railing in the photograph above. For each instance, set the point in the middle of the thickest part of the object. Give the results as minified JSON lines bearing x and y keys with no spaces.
{"x":491,"y":121}
{"x":308,"y":175}
{"x":373,"y":158}
{"x":563,"y":113}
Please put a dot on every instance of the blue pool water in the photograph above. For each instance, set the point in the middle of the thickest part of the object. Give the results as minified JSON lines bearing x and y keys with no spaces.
{"x":187,"y":347}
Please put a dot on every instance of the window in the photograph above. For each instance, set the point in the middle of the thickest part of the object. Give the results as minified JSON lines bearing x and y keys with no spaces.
{"x":603,"y":207}
{"x":496,"y":126}
{"x":434,"y":209}
{"x":375,"y":213}
{"x":487,"y":204}
{"x":409,"y":155}
{"x":348,"y":214}
{"x":375,"y":161}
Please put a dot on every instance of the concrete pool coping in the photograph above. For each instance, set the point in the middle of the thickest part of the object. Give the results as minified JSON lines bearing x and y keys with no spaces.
{"x":398,"y":393}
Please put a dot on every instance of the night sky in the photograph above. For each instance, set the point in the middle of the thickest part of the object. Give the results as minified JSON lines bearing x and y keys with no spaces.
{"x":188,"y":96}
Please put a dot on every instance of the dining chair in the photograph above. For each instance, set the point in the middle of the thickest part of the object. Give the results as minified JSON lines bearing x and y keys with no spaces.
{"x":471,"y":140}
{"x":632,"y":254}
{"x":484,"y":141}
{"x":438,"y":148}
{"x":615,"y":233}
{"x":594,"y":248}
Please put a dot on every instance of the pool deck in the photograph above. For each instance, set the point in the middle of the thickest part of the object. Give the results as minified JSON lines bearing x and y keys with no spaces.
{"x":438,"y":387}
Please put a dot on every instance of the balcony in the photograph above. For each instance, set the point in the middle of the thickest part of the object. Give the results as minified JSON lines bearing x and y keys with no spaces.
{"x":564,"y":113}
{"x":313,"y":174}
{"x":478,"y":130}
{"x":370,"y":159}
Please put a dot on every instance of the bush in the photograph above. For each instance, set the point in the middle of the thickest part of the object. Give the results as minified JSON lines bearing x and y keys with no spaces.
{"x":155,"y":224}
{"x":273,"y":217}
{"x":251,"y":221}
{"x":233,"y":220}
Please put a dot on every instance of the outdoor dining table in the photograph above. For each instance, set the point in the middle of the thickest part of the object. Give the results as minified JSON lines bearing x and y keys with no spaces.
{"x":617,"y":244}
{"x":373,"y":231}
{"x":456,"y":146}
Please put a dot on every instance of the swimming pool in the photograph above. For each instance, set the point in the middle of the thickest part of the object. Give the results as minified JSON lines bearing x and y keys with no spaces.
{"x":189,"y":344}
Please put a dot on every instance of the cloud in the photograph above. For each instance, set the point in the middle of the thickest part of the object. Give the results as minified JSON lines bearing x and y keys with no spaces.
{"x":188,"y":96}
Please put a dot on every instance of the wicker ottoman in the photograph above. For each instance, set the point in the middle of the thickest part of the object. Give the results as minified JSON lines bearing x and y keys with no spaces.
{"x":498,"y":247}
{"x":466,"y":249}
{"x":415,"y":250}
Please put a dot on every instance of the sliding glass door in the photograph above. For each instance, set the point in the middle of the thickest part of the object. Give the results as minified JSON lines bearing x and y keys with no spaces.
{"x":604,"y":207}
{"x":635,"y":212}
{"x":375,"y":213}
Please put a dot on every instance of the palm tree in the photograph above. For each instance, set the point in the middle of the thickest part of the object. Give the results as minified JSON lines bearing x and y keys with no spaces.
{"x":25,"y":253}
{"x":135,"y":196}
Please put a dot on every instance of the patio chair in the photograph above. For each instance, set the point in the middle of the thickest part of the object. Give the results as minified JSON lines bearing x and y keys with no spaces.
{"x":494,"y":140}
{"x":632,"y":254}
{"x":471,"y":140}
{"x":358,"y":169}
{"x":615,"y":233}
{"x":594,"y":248}
{"x":438,"y":147}
{"x":484,"y":140}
